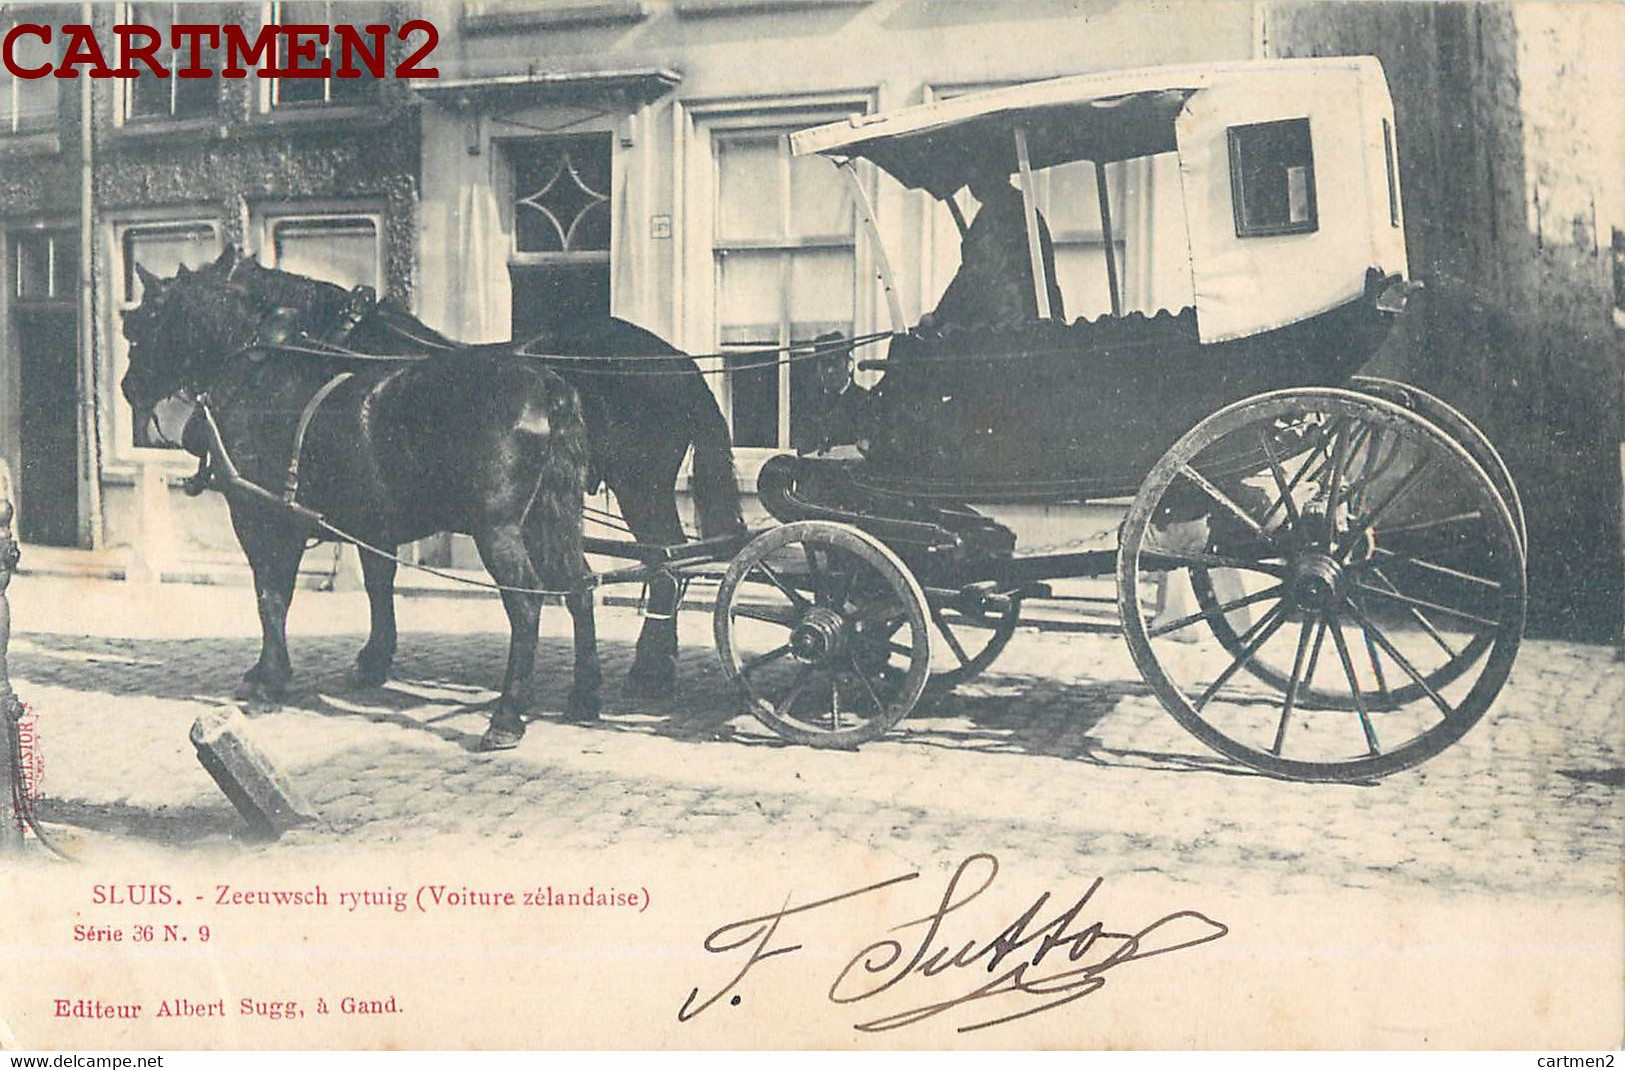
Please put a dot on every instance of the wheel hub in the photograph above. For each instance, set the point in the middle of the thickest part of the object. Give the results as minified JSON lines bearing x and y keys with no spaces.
{"x":820,"y":634}
{"x":1317,"y":581}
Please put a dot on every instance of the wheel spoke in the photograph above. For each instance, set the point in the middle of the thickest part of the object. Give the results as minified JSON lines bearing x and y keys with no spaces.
{"x":863,"y":678}
{"x":849,"y":579}
{"x":752,"y":664}
{"x":1426,"y":525}
{"x":899,"y":648}
{"x":1223,"y":499}
{"x":1406,"y":485}
{"x":1185,"y":558}
{"x":1400,"y":660}
{"x":1256,"y":637}
{"x":1292,"y":685}
{"x":1421,"y":618}
{"x":1418,"y":603}
{"x":784,"y":617}
{"x":789,"y":592}
{"x":1442,"y":570}
{"x":1280,"y":482}
{"x":1376,"y":670}
{"x":815,"y":575}
{"x":887,"y":614}
{"x":1314,"y":655}
{"x":1334,"y":487}
{"x":798,"y":687}
{"x":948,"y":634}
{"x":1371,"y":464}
{"x":1316,"y":453}
{"x":834,"y":702}
{"x":1354,"y":687}
{"x":1214,"y":613}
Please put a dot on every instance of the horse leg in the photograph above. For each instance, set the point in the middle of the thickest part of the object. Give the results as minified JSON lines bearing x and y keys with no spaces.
{"x":274,"y":559}
{"x":372,"y":664}
{"x":506,"y":558}
{"x":651,"y":513}
{"x":584,"y":702}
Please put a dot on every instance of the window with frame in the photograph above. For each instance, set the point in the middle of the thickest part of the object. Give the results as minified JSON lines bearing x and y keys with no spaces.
{"x":161,"y":248}
{"x":338,"y":248}
{"x":1272,"y":178}
{"x":361,"y":88}
{"x":27,"y":105}
{"x":785,"y":261}
{"x":45,"y":267}
{"x":559,"y":262}
{"x":148,"y":97}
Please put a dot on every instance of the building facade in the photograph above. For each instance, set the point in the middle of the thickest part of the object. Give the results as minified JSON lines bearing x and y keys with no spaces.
{"x":570,"y":158}
{"x":629,"y":156}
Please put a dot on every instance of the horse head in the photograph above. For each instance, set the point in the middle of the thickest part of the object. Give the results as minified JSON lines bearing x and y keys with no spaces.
{"x":180,"y":334}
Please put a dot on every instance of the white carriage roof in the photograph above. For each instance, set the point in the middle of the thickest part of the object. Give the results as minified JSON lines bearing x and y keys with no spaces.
{"x":1111,"y":115}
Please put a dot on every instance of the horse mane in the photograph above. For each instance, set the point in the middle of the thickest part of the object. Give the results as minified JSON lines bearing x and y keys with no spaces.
{"x":322,"y":303}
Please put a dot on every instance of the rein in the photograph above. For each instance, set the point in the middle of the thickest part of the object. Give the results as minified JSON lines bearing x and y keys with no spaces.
{"x":597,"y":365}
{"x":288,"y":500}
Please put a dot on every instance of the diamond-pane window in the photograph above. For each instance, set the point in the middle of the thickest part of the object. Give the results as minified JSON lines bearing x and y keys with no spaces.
{"x":561,"y":194}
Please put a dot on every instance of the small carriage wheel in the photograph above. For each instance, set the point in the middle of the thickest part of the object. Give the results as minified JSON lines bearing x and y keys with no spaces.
{"x":826,"y":633}
{"x":1478,"y":446}
{"x":970,"y":642}
{"x":1380,"y":564}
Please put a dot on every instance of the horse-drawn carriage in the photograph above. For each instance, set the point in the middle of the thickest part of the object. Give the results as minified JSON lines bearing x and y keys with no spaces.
{"x":1355,"y":547}
{"x":1304,"y":502}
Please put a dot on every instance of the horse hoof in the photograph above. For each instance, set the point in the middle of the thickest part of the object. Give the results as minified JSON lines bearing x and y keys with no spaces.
{"x":360,"y":677}
{"x":258,"y":698}
{"x":500,"y":739}
{"x":582,"y":710}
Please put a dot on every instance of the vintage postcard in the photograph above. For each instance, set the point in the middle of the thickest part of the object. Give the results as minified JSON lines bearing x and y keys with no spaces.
{"x":824,"y":524}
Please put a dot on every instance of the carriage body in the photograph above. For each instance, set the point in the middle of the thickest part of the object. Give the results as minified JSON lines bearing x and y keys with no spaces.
{"x":1288,"y":220}
{"x":1354,"y":546}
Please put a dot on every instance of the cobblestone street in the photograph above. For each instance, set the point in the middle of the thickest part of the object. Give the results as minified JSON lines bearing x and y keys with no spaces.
{"x":1059,"y":752}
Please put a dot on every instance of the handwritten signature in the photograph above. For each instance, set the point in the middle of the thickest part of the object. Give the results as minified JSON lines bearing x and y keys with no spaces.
{"x":1040,"y":963}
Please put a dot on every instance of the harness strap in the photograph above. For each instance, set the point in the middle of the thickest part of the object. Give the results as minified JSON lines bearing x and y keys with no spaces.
{"x":363,"y":299}
{"x":234,"y":480}
{"x":290,"y":485}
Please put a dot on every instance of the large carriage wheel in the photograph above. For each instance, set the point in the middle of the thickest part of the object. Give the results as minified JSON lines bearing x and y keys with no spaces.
{"x":967,"y":643}
{"x":1478,"y":446}
{"x":826,"y":633}
{"x":1378,"y":561}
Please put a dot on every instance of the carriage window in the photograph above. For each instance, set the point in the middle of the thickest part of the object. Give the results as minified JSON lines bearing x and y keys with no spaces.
{"x":1272,"y":178}
{"x":27,"y":105}
{"x":784,"y":248}
{"x":330,"y":90}
{"x":171,"y":98}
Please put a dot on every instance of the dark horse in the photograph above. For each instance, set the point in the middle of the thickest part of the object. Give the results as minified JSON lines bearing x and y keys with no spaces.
{"x":642,"y":416}
{"x":485,"y":442}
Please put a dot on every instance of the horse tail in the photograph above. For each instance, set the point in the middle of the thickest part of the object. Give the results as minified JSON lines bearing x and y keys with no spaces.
{"x":555,"y":515}
{"x":716,"y":488}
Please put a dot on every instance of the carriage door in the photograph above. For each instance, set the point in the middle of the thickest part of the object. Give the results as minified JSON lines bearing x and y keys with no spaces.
{"x":45,"y":268}
{"x":559,"y":263}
